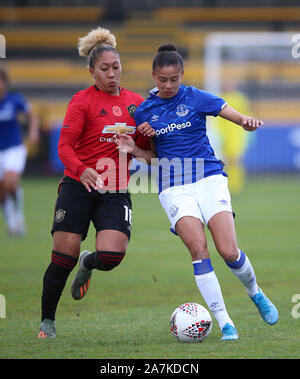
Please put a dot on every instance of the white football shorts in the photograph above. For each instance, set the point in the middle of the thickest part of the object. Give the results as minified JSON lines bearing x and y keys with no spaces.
{"x":202,"y":199}
{"x":13,"y":159}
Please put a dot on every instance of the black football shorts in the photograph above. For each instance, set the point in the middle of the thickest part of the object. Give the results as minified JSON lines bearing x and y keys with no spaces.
{"x":75,"y":207}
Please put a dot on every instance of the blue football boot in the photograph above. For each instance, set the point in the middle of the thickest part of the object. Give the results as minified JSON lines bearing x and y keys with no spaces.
{"x":229,"y":333}
{"x":265,"y":307}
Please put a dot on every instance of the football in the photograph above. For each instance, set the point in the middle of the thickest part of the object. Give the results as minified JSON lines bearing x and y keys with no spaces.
{"x":190,"y":322}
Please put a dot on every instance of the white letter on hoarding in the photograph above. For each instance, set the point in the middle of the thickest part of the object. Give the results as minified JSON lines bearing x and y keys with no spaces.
{"x":2,"y":46}
{"x":2,"y":306}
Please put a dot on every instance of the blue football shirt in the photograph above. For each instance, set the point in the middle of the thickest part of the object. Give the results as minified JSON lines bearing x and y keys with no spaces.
{"x":10,"y":106}
{"x":184,"y":151}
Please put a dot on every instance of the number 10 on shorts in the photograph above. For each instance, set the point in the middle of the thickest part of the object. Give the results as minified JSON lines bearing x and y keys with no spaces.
{"x":128,"y":213}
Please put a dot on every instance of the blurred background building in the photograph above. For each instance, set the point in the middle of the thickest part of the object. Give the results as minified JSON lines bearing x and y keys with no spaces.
{"x":43,"y":63}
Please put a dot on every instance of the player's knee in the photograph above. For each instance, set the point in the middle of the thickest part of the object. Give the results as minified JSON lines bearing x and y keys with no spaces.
{"x":11,"y":181}
{"x":67,"y":243}
{"x":198,"y":250}
{"x":229,"y":252}
{"x":10,"y":188}
{"x":108,"y":260}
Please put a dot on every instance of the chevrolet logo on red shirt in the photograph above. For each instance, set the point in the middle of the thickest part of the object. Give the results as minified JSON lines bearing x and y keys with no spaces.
{"x":120,"y":128}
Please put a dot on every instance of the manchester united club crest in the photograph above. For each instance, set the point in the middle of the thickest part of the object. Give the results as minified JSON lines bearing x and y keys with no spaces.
{"x":131,"y":109}
{"x":60,"y":215}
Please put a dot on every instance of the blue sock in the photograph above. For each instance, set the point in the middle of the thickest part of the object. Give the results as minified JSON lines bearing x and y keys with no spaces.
{"x":202,"y":266}
{"x":239,"y":262}
{"x":244,"y":271}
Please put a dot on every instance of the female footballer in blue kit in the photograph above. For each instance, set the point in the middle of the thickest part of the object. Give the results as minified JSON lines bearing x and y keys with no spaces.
{"x":13,"y":154}
{"x":195,"y":192}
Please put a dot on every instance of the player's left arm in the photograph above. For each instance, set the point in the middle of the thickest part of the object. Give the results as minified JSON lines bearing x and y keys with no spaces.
{"x":126,"y":144}
{"x":248,"y":123}
{"x":28,"y":117}
{"x":33,"y":122}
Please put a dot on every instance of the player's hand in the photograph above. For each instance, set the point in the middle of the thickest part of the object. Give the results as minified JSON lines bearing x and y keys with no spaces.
{"x":146,"y":129}
{"x":250,"y":124}
{"x":125,"y":143}
{"x":91,"y":179}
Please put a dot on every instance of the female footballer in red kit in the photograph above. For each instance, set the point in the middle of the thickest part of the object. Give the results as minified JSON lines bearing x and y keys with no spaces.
{"x":91,"y":189}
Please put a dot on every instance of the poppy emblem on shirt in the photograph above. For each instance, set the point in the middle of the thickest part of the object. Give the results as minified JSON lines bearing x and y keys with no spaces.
{"x":117,"y":111}
{"x":182,"y":110}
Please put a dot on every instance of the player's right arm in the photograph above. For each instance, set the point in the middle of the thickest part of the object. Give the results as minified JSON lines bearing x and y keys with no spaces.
{"x":73,"y":125}
{"x":91,"y":179}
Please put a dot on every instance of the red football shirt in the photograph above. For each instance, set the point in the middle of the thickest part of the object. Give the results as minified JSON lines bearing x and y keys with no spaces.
{"x":86,"y":140}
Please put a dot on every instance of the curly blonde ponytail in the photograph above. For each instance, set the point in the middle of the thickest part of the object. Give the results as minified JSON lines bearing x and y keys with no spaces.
{"x":97,"y":40}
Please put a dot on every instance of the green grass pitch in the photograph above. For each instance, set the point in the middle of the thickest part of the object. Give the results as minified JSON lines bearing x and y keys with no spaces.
{"x":126,"y":311}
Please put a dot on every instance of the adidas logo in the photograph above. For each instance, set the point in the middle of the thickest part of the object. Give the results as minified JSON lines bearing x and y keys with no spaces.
{"x":103,"y":112}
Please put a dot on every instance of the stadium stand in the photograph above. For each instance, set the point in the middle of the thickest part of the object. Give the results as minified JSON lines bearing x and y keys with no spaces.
{"x":229,"y":14}
{"x":30,"y":15}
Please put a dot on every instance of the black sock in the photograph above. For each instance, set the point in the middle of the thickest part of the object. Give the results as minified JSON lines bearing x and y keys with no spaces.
{"x":54,"y":282}
{"x":103,"y":260}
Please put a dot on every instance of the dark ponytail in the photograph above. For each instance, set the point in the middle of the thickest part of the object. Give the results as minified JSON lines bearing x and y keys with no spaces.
{"x":167,"y":55}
